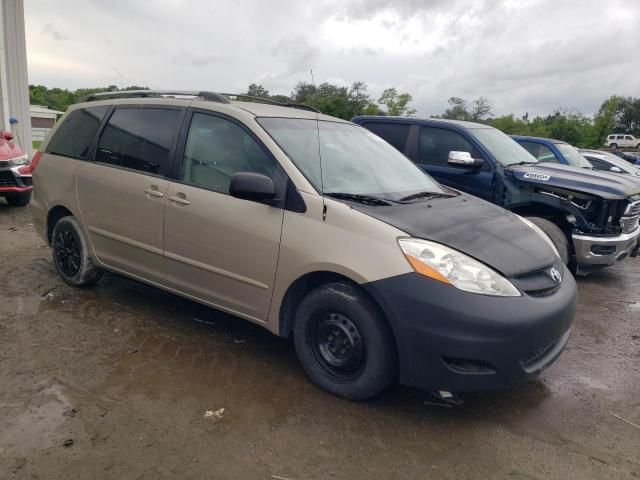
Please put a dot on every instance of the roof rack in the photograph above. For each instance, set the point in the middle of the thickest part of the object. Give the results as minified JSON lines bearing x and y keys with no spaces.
{"x":300,"y":106}
{"x":211,"y":96}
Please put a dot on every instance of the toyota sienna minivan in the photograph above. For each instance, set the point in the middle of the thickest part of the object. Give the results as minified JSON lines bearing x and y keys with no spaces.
{"x":310,"y":226}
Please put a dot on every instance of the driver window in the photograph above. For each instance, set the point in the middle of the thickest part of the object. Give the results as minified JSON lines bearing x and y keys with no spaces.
{"x":436,"y":143}
{"x":540,"y":151}
{"x":216,"y":149}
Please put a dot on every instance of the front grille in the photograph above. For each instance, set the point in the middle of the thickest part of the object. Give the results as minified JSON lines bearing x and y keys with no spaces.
{"x":631,"y":219}
{"x":7,"y":179}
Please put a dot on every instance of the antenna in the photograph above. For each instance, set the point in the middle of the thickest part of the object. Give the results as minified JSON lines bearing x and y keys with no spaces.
{"x":324,"y":205}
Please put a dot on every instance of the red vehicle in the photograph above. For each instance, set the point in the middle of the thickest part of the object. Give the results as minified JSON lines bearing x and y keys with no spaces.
{"x":15,"y":172}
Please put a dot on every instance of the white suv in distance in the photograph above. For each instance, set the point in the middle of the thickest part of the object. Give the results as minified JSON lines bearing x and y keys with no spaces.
{"x":617,"y":141}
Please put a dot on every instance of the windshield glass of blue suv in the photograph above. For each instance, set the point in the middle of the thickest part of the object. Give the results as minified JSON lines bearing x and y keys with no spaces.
{"x":343,"y":158}
{"x":505,"y":150}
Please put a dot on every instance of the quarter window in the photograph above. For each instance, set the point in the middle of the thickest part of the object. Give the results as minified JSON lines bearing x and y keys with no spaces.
{"x":139,"y":138}
{"x":436,"y":143}
{"x":74,"y":136}
{"x":540,"y":151}
{"x":216,"y":149}
{"x":394,"y":133}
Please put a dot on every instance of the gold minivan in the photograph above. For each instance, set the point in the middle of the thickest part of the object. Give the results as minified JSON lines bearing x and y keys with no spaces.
{"x":310,"y":226}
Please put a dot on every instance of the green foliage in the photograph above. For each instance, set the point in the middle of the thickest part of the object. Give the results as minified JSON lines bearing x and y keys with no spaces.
{"x":256,"y":90}
{"x":60,"y":99}
{"x":396,"y":103}
{"x":616,"y":114}
{"x":341,"y":102}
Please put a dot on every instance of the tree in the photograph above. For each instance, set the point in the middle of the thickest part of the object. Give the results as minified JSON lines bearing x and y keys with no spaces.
{"x":481,"y":108}
{"x":457,"y":110}
{"x":256,"y":90}
{"x":397,"y":103}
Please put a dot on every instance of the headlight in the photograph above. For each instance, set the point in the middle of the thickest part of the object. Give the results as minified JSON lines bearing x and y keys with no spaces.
{"x":539,"y":231}
{"x":21,"y":160}
{"x":455,"y":268}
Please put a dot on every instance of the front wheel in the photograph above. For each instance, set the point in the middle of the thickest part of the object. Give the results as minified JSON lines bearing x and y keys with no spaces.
{"x":19,"y":199}
{"x":343,"y":343}
{"x":557,"y":236}
{"x":71,"y":254}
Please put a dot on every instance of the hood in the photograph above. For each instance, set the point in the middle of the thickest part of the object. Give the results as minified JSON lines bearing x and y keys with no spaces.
{"x":9,"y":150}
{"x":480,"y":229}
{"x":602,"y":184}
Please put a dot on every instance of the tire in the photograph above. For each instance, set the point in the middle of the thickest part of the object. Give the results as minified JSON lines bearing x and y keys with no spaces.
{"x":342,"y":311}
{"x":19,"y":200}
{"x":613,"y":146}
{"x":638,"y":146}
{"x":71,"y":254}
{"x":557,"y":236}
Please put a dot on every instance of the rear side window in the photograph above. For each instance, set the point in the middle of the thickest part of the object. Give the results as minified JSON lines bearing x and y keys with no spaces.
{"x":598,"y":164}
{"x":436,"y":143}
{"x":394,"y":133}
{"x":540,"y":151}
{"x":74,"y":136}
{"x":139,"y":138}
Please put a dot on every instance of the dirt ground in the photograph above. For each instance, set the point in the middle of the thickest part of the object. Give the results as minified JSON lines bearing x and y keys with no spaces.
{"x":114,"y":382}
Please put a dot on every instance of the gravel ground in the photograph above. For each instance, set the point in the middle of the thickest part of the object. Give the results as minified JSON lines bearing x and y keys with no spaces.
{"x":115,"y":382}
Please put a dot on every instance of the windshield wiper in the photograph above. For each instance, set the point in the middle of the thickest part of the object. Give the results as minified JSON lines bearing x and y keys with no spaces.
{"x":415,"y":196}
{"x":523,"y":163}
{"x":356,"y":197}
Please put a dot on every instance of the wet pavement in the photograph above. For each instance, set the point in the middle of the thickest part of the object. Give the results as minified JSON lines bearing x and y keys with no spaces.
{"x":115,"y":381}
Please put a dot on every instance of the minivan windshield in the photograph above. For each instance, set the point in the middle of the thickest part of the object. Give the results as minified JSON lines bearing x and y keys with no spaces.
{"x":573,"y":156}
{"x":355,"y":162}
{"x":505,"y":149}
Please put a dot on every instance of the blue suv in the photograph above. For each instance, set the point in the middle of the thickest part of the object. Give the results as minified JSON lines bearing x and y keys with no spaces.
{"x":552,"y":151}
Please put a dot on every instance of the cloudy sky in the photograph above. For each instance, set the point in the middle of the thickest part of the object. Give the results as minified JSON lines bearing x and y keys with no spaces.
{"x":525,"y":55}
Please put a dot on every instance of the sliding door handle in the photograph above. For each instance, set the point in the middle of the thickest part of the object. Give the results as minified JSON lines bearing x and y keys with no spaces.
{"x":179,"y":199}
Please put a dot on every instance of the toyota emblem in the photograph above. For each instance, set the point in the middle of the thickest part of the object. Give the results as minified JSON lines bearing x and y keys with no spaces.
{"x":555,"y":275}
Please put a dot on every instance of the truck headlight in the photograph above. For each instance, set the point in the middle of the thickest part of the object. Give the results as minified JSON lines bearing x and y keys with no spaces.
{"x":455,"y":268}
{"x":17,"y":161}
{"x":539,"y":231}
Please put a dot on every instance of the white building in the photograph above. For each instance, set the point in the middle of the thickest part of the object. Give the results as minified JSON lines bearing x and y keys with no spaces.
{"x":42,"y":120}
{"x":14,"y":85}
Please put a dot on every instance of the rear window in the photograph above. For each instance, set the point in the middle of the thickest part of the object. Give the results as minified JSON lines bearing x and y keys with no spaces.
{"x":74,"y":136}
{"x":139,"y":138}
{"x":394,"y":133}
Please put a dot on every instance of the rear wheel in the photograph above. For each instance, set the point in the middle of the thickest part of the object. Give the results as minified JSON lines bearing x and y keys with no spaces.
{"x":555,"y":233}
{"x":343,"y":343}
{"x":19,"y":199}
{"x":613,"y":146}
{"x":71,"y":254}
{"x":638,"y":146}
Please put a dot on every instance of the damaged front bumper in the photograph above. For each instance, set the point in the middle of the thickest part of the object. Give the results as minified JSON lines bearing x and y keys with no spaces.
{"x":594,"y":252}
{"x":14,"y":180}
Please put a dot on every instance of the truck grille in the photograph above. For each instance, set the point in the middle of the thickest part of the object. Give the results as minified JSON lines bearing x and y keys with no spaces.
{"x":631,"y":218}
{"x":7,"y":179}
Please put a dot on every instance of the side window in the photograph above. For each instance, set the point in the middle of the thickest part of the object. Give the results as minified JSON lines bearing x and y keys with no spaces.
{"x":620,"y":137}
{"x":628,"y":137}
{"x":540,"y":151}
{"x":436,"y":143}
{"x":74,"y":136}
{"x":394,"y":133}
{"x":216,"y":149}
{"x":139,"y":138}
{"x":598,"y":164}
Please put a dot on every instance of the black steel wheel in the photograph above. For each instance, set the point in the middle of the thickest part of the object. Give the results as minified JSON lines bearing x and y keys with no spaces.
{"x":343,"y":342}
{"x":337,"y":345}
{"x":71,"y":254}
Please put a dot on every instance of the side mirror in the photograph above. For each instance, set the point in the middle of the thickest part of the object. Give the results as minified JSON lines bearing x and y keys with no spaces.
{"x":252,"y":186}
{"x":615,"y":169}
{"x":464,"y":159}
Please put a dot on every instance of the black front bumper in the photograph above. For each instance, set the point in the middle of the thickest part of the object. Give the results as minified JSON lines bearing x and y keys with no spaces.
{"x":452,"y":340}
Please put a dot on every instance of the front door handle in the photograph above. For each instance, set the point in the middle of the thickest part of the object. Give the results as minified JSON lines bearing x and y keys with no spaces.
{"x":154,"y":192}
{"x":180,"y":199}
